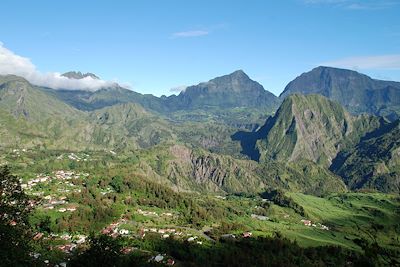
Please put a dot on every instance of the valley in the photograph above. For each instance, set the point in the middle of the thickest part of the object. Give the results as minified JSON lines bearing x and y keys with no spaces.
{"x":136,"y":179}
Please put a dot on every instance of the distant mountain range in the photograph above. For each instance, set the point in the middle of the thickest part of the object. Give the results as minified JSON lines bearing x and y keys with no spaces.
{"x":305,"y":140}
{"x":357,"y":92}
{"x":235,"y":90}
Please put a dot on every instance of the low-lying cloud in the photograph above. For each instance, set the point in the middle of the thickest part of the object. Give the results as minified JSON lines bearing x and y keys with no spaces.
{"x":178,"y":89}
{"x":367,"y":62}
{"x":11,"y":63}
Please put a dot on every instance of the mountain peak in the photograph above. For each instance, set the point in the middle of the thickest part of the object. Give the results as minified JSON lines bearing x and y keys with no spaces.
{"x":310,"y":127}
{"x":357,"y":92}
{"x":239,"y":73}
{"x":79,"y":75}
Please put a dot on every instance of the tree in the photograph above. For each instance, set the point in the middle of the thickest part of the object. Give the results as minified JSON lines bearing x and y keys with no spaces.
{"x":103,"y":251}
{"x":15,"y":234}
{"x":117,"y":184}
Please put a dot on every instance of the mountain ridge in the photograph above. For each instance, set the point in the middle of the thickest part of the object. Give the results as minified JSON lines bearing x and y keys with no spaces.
{"x":357,"y":92}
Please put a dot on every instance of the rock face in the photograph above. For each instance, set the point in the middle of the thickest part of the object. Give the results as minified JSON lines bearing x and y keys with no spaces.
{"x":307,"y":128}
{"x":374,"y":162}
{"x":355,"y":91}
{"x":199,"y":169}
{"x":79,"y":75}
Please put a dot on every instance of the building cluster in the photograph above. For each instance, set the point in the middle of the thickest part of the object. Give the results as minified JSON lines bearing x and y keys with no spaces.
{"x":74,"y":157}
{"x":60,"y":175}
{"x":259,"y":217}
{"x":162,"y":259}
{"x":114,"y":230}
{"x":316,"y":225}
{"x":147,"y":213}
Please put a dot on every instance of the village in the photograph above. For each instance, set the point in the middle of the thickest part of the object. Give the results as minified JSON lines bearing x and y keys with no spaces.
{"x":159,"y":223}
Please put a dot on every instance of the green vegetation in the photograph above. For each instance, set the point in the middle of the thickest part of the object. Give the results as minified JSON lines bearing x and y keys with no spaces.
{"x":374,"y":163}
{"x":117,"y":178}
{"x":311,"y":127}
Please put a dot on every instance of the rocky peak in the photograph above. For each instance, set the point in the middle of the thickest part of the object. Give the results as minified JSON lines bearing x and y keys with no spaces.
{"x":79,"y":75}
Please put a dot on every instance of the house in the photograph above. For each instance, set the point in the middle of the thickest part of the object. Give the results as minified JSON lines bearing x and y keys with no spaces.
{"x":259,"y":217}
{"x":306,"y":222}
{"x":66,"y":237}
{"x":81,"y":239}
{"x":247,"y":234}
{"x":107,"y":231}
{"x":158,"y":258}
{"x":123,"y":232}
{"x":324,"y":227}
{"x":38,"y":236}
{"x":127,"y":250}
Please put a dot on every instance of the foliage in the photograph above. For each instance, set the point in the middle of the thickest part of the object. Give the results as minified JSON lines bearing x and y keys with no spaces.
{"x":14,"y":228}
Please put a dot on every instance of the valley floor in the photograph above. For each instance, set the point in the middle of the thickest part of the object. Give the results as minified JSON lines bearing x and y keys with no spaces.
{"x":78,"y":197}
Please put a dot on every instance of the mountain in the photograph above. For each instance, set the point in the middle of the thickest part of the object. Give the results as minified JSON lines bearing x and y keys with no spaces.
{"x":357,"y":92}
{"x":127,"y":126}
{"x":234,"y":90}
{"x":105,"y":97}
{"x":79,"y":75}
{"x":219,"y":99}
{"x":33,"y":116}
{"x":22,"y":99}
{"x":374,"y":163}
{"x":306,"y":128}
{"x":199,"y":170}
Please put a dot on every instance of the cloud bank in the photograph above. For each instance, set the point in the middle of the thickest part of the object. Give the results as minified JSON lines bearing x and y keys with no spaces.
{"x":10,"y":63}
{"x":367,"y":62}
{"x":186,"y":34}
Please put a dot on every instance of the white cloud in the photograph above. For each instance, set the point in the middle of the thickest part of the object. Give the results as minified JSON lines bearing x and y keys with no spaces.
{"x":10,"y":63}
{"x":355,"y":4}
{"x":178,"y":89}
{"x":194,"y":33}
{"x":367,"y":62}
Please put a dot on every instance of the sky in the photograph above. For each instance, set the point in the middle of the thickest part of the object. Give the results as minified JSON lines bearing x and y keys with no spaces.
{"x":161,"y":46}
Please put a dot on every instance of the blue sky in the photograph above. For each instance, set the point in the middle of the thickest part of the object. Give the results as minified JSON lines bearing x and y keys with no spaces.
{"x":158,"y":45}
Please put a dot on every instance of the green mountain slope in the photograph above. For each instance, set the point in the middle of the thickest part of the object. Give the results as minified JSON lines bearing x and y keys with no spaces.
{"x":306,"y":127}
{"x":128,"y":126}
{"x":21,"y":99}
{"x":31,"y":116}
{"x":355,"y":91}
{"x":374,"y":163}
{"x":199,"y":170}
